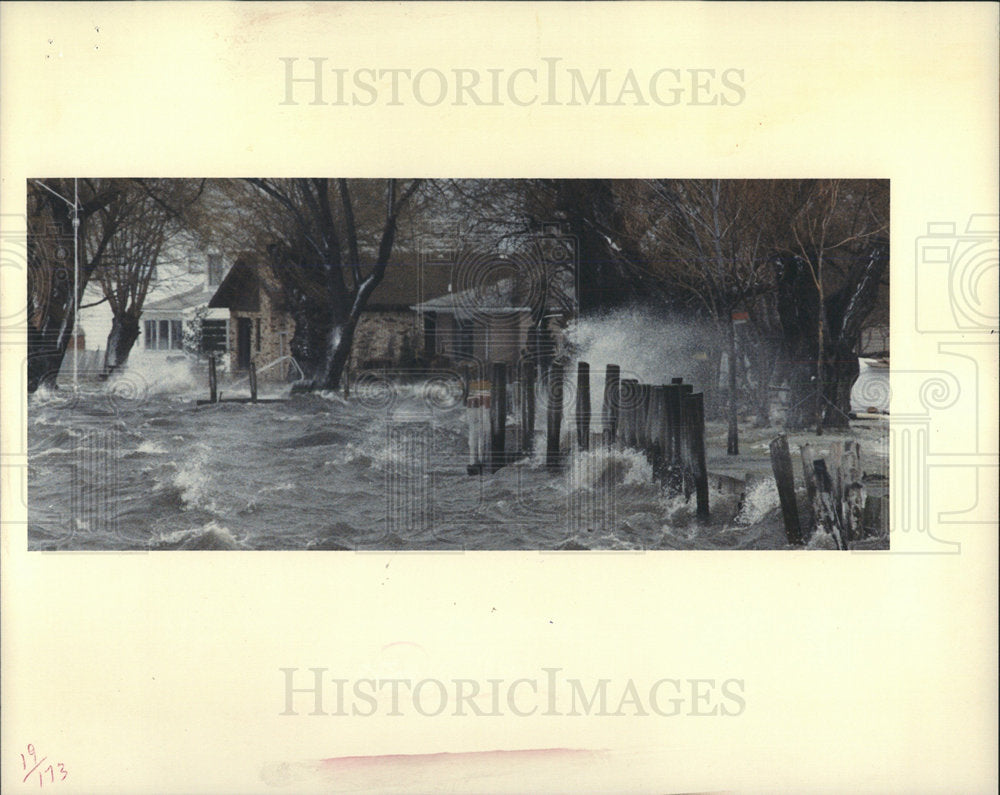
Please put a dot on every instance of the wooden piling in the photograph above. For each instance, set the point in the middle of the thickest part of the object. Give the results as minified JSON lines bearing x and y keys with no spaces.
{"x":685,"y":464}
{"x":527,"y":397}
{"x":657,"y":431}
{"x":809,"y":478}
{"x":642,"y":435}
{"x":629,"y":396}
{"x":672,"y":437}
{"x":854,"y":494}
{"x":612,"y":401}
{"x":781,"y":465}
{"x":824,"y":512}
{"x":498,"y":415}
{"x":834,"y":462}
{"x":253,"y":382}
{"x":554,"y":414}
{"x":213,"y":393}
{"x":695,"y":412}
{"x":583,"y":405}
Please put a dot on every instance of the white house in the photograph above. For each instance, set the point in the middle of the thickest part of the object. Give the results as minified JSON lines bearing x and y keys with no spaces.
{"x":185,"y":279}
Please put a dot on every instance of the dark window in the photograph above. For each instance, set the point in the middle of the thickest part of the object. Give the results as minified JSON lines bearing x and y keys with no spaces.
{"x":213,"y":336}
{"x":163,"y":336}
{"x":257,"y":334}
{"x":149,"y":332}
{"x":176,"y":335}
{"x":214,"y":269}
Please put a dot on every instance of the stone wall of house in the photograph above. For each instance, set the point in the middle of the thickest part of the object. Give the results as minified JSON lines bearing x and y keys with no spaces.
{"x":276,"y":330}
{"x":386,"y":338}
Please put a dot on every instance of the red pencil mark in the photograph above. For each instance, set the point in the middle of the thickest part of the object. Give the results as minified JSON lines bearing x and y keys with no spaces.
{"x":34,"y":768}
{"x":31,"y":756}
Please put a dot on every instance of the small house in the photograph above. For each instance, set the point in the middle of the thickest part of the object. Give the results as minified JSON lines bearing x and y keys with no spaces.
{"x":260,"y":326}
{"x":491,"y":323}
{"x":390,"y":333}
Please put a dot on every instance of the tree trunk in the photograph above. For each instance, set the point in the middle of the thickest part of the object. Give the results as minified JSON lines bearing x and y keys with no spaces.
{"x":841,"y":375}
{"x":820,"y":366}
{"x":124,"y":332}
{"x":335,"y":356}
{"x":733,"y":438}
{"x":45,"y":356}
{"x":50,"y":335}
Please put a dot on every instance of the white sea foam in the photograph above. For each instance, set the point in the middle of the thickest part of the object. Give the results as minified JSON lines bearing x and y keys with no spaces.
{"x":210,"y":535}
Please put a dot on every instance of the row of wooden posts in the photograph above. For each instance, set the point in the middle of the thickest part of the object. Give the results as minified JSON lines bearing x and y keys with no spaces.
{"x":836,"y":495}
{"x":666,"y":422}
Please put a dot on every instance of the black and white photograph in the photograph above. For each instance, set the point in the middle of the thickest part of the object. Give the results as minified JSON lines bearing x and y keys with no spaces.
{"x":442,"y":364}
{"x":499,"y":397}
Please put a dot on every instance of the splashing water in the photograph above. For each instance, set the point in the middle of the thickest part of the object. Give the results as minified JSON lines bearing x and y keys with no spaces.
{"x":647,"y":347}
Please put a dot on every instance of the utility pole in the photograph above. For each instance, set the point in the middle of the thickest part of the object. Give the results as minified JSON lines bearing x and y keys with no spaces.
{"x":75,"y":204}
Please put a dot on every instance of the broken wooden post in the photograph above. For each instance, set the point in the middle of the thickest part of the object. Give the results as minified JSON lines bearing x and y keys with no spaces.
{"x":527,"y":395}
{"x":824,"y":511}
{"x":253,"y":382}
{"x":781,"y":465}
{"x":213,"y":394}
{"x":834,"y":461}
{"x":694,"y":410}
{"x":855,"y":499}
{"x":612,"y":399}
{"x":875,"y":515}
{"x":498,"y":415}
{"x":853,"y":493}
{"x":629,"y":395}
{"x":583,"y":405}
{"x":554,"y":414}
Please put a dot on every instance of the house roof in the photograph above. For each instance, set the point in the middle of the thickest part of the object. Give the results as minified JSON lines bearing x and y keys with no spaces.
{"x":406,"y":284}
{"x":198,"y":296}
{"x":239,"y":289}
{"x":505,"y":295}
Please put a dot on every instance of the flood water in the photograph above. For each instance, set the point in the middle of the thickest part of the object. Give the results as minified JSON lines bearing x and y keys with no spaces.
{"x":137,"y":465}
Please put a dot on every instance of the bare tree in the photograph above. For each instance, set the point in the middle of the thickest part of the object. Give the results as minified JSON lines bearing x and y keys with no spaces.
{"x":50,"y":297}
{"x":708,"y":241}
{"x":127,"y":270}
{"x":114,"y":215}
{"x":332,"y":242}
{"x":830,"y":263}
